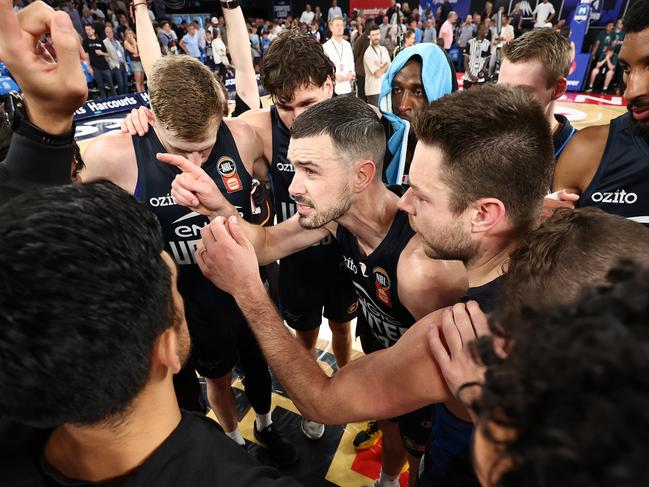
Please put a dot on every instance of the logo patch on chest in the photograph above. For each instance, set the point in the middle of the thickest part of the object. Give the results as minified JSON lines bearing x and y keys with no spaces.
{"x":382,"y":284}
{"x":228,"y":171}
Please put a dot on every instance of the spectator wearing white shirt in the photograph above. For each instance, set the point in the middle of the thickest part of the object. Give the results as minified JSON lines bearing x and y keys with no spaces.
{"x":543,"y":14}
{"x":116,"y":60}
{"x":376,"y":61}
{"x":307,"y":16}
{"x":340,"y":53}
{"x":334,"y":11}
{"x":219,"y":52}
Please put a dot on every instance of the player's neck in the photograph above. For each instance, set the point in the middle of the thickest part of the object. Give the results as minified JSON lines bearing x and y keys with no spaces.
{"x":106,"y":451}
{"x":371,"y":215}
{"x":490,"y":263}
{"x":549,"y":115}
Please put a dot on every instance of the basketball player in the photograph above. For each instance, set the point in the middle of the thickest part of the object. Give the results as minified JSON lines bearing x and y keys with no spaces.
{"x":472,"y":203}
{"x":607,"y":164}
{"x":311,"y":281}
{"x":539,"y":61}
{"x":226,"y":150}
{"x":395,"y":282}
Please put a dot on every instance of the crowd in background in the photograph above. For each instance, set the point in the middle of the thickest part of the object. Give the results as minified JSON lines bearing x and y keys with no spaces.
{"x":473,"y":43}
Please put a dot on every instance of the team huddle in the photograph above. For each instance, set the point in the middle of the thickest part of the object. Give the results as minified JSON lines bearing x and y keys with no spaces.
{"x":493,"y":257}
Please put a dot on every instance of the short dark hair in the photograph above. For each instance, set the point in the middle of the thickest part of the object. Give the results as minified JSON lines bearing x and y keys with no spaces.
{"x":573,"y":370}
{"x":353,"y":126}
{"x":374,"y":27}
{"x":294,"y":60}
{"x":636,"y":18}
{"x":571,"y":249}
{"x":496,"y":142}
{"x":85,"y":294}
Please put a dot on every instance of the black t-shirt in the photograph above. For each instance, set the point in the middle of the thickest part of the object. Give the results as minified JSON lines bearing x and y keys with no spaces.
{"x":487,"y":295}
{"x":92,"y":45}
{"x":196,"y":454}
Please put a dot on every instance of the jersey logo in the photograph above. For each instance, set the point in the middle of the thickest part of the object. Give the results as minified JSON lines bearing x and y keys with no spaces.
{"x":382,"y":284}
{"x":619,"y":196}
{"x":228,"y":171}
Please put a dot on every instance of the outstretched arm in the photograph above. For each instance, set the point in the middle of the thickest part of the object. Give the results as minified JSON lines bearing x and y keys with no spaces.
{"x":381,"y":385}
{"x":245,"y":77}
{"x":147,"y":41}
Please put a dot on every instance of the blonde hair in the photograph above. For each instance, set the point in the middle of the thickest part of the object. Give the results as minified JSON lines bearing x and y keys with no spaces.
{"x":185,"y":96}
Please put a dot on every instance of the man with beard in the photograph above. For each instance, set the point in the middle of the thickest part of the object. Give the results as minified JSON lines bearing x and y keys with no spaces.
{"x":607,"y":164}
{"x":395,"y":282}
{"x":92,"y":332}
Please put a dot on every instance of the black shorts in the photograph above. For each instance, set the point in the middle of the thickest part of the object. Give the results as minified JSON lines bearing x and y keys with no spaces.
{"x":414,"y":427}
{"x":314,"y":283}
{"x":218,"y":331}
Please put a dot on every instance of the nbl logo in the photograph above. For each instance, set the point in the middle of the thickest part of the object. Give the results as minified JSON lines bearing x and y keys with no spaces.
{"x":226,"y":167}
{"x":382,"y":284}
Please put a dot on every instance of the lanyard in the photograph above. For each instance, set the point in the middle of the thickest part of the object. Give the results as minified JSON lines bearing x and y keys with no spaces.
{"x":378,"y":54}
{"x":342,"y":49}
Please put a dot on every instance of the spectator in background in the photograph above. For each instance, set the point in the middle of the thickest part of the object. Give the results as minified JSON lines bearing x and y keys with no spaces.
{"x":606,"y":66}
{"x":360,"y":46}
{"x":202,"y":38}
{"x":476,"y":55}
{"x":334,"y":11}
{"x":318,"y":15}
{"x":189,"y":43}
{"x":266,"y":37}
{"x":314,"y":31}
{"x":307,"y":16}
{"x":388,"y":42}
{"x":130,"y":44}
{"x":255,"y":45}
{"x":488,"y":11}
{"x":409,"y":39}
{"x":98,"y":64}
{"x":95,"y":10}
{"x":122,"y":27}
{"x":376,"y":60}
{"x":86,"y":17}
{"x":516,"y":18}
{"x":168,"y":39}
{"x":219,"y":51}
{"x":543,"y":14}
{"x":385,"y":25}
{"x":417,"y":31}
{"x":466,"y":32}
{"x":340,"y":52}
{"x":116,"y":61}
{"x":430,"y":33}
{"x":605,"y":38}
{"x":446,"y":32}
{"x":213,"y":27}
{"x":443,"y":11}
{"x":70,"y":8}
{"x":209,"y":55}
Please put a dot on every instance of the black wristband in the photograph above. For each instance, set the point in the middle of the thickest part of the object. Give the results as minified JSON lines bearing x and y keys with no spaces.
{"x":31,"y":131}
{"x":230,"y":4}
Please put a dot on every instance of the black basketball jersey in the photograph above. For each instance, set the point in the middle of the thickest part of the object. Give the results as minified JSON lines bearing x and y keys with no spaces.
{"x":181,"y":226}
{"x":375,"y":279}
{"x":621,"y":183}
{"x":562,"y":136}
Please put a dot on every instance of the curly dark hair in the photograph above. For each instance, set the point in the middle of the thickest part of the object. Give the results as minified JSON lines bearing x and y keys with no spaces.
{"x":574,"y":391}
{"x":636,"y":18}
{"x":294,"y":60}
{"x":84,"y":294}
{"x":571,"y":249}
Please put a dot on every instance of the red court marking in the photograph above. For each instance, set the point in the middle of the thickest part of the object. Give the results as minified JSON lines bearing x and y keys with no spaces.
{"x":368,"y":463}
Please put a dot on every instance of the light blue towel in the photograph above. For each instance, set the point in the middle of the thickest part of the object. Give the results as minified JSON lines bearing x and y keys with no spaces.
{"x":437,"y":80}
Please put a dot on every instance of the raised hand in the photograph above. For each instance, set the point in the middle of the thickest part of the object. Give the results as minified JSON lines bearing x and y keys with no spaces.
{"x":52,"y":91}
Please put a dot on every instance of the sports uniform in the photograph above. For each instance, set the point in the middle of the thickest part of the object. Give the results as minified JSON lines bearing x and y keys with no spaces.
{"x":218,"y":330}
{"x":621,"y":183}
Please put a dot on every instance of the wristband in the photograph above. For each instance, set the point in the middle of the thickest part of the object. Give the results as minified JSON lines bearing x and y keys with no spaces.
{"x":230,"y":4}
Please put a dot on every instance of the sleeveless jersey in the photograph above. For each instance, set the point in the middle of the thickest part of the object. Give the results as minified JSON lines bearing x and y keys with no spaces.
{"x":375,"y":279}
{"x":447,"y":461}
{"x":562,"y":136}
{"x":621,"y":183}
{"x":181,"y":226}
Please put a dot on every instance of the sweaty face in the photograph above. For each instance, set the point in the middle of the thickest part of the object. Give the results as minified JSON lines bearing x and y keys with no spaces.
{"x":446,"y":235}
{"x":529,"y":75}
{"x":634,"y":60}
{"x":408,"y":95}
{"x":196,"y":150}
{"x":303,"y":98}
{"x":320,"y":186}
